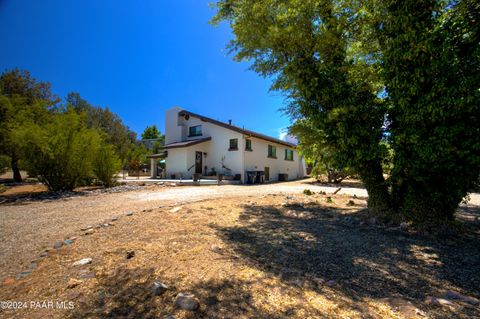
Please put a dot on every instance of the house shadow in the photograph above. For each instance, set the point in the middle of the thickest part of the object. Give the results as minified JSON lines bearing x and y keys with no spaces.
{"x":360,"y":261}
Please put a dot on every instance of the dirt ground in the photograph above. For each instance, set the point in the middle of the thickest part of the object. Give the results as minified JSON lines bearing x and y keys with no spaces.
{"x":245,"y":252}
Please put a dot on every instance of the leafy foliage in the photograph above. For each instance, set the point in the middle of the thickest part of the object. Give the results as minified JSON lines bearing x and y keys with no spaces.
{"x":151,"y":132}
{"x":62,"y":152}
{"x":318,"y":153}
{"x":378,"y":81}
{"x":23,"y":100}
{"x":117,"y":133}
{"x":106,"y":164}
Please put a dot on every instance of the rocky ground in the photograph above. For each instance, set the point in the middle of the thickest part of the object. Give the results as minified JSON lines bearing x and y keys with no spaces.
{"x":229,"y":252}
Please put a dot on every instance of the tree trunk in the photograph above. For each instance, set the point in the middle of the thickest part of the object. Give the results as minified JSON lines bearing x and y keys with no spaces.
{"x":378,"y":196}
{"x":17,"y":177}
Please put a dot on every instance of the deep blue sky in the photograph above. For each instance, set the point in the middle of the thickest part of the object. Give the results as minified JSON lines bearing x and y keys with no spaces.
{"x":138,"y":58}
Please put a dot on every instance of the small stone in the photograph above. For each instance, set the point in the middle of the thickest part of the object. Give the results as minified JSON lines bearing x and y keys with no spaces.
{"x":130,"y":254}
{"x":86,"y":228}
{"x":175,"y":209}
{"x":72,"y":283}
{"x":186,"y":301}
{"x":216,"y":248}
{"x":44,"y":254}
{"x":169,"y":317}
{"x":57,"y":245}
{"x":24,"y":274}
{"x":438,"y":301}
{"x":85,"y":274}
{"x":330,"y":283}
{"x":114,"y":219}
{"x":453,"y":295}
{"x":84,"y":261}
{"x":404,"y":226}
{"x":129,"y":214}
{"x":89,"y":231}
{"x":159,"y":288}
{"x":68,"y":241}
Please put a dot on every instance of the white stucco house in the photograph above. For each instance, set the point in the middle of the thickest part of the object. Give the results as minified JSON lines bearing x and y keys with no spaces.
{"x":197,"y":144}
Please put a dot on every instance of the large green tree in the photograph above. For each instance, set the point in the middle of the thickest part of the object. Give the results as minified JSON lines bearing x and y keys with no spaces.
{"x":117,"y":133}
{"x":360,"y":71}
{"x":151,"y":132}
{"x":23,"y":100}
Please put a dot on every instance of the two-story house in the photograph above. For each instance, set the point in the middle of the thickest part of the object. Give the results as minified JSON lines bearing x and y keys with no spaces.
{"x":198,"y":144}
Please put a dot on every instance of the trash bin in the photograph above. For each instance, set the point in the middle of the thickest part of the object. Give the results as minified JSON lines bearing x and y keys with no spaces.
{"x":259,"y":177}
{"x":250,"y":177}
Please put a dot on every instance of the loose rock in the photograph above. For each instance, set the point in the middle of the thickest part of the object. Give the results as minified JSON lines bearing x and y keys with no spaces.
{"x":186,"y":301}
{"x":130,"y":254}
{"x":84,"y":261}
{"x":68,"y":241}
{"x":129,"y":214}
{"x":57,"y":245}
{"x":175,"y":209}
{"x":72,"y":283}
{"x":159,"y":288}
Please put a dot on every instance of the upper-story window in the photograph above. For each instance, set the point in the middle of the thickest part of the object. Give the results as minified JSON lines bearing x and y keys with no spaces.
{"x":233,"y":144}
{"x":288,"y":155}
{"x":272,"y":151}
{"x":248,"y":144}
{"x":195,"y":130}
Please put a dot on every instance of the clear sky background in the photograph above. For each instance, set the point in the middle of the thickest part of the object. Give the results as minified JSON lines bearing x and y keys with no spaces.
{"x":139,"y":58}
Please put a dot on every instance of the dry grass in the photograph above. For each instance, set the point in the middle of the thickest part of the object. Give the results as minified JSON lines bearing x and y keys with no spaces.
{"x":255,"y":257}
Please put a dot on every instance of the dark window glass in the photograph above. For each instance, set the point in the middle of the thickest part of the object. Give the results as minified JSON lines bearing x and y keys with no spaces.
{"x":195,"y":130}
{"x":272,"y":151}
{"x":233,"y":144}
{"x":288,"y":155}
{"x":248,"y":145}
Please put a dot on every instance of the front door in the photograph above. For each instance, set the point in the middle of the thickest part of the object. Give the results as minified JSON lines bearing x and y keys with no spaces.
{"x":267,"y":173}
{"x":198,"y":162}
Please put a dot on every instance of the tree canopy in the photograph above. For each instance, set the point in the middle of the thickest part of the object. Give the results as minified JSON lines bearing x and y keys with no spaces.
{"x":360,"y":73}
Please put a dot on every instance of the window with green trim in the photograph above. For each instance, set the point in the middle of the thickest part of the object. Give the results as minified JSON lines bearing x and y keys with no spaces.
{"x":248,"y":144}
{"x":272,"y":151}
{"x":288,"y":155}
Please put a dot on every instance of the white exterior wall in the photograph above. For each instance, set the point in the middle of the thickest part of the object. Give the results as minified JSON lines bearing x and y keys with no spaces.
{"x":258,"y":159}
{"x":176,"y":162}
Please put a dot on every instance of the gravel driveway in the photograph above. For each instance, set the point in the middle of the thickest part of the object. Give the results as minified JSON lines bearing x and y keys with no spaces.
{"x":28,"y":228}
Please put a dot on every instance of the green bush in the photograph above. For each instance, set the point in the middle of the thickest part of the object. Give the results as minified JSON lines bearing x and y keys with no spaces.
{"x":61,"y":153}
{"x":105,"y":165}
{"x":307,"y":192}
{"x":4,"y":163}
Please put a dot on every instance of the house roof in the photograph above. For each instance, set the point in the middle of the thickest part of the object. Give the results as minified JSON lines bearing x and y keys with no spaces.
{"x":187,"y":143}
{"x":237,"y":129}
{"x":159,"y":155}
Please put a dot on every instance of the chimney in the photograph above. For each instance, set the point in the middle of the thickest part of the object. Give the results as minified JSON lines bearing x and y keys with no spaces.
{"x":229,"y":122}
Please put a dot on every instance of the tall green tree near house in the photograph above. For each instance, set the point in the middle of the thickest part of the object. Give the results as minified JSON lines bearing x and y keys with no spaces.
{"x":151,"y":132}
{"x":357,"y":69}
{"x":117,"y":133}
{"x":23,"y":100}
{"x":307,"y":47}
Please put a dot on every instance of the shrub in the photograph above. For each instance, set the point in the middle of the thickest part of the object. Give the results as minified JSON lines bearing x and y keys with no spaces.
{"x":307,"y":192}
{"x":105,"y":165}
{"x":60,"y":153}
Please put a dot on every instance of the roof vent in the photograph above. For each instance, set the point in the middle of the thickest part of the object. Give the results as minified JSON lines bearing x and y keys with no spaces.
{"x":229,"y":122}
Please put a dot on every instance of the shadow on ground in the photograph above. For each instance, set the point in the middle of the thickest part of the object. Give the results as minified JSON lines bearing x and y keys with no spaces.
{"x":364,"y":261}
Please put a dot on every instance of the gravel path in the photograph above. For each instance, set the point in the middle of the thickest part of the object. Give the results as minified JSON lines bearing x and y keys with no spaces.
{"x":28,"y":228}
